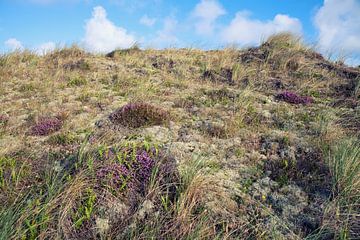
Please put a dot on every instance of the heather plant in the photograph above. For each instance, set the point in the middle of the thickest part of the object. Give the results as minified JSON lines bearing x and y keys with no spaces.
{"x":293,"y":98}
{"x":133,"y":173}
{"x":80,"y":65}
{"x":224,"y":75}
{"x":132,"y":168}
{"x":135,"y":115}
{"x":121,"y":52}
{"x":46,"y":126}
{"x":114,"y":176}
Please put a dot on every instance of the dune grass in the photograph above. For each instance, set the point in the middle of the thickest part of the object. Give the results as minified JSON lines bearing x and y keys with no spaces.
{"x":179,"y":144}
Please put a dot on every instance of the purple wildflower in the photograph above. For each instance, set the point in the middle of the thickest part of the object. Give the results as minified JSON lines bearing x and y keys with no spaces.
{"x":134,"y":173}
{"x":114,"y":175}
{"x":46,"y":126}
{"x":145,"y":165}
{"x":293,"y":98}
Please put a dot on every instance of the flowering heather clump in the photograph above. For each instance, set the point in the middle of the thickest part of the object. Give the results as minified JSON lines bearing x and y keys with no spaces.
{"x":46,"y":126}
{"x":116,"y":173}
{"x":135,"y":173}
{"x":145,"y":165}
{"x":291,"y":97}
{"x":136,"y":115}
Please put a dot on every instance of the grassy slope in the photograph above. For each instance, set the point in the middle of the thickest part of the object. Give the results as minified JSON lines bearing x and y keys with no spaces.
{"x":247,"y":165}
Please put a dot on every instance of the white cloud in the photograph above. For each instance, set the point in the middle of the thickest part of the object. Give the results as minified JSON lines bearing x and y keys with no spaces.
{"x":13,"y":44}
{"x":102,"y":35}
{"x":338,"y":23}
{"x":45,"y":48}
{"x":206,"y":12}
{"x":167,"y":35}
{"x":147,"y":21}
{"x":245,"y":31}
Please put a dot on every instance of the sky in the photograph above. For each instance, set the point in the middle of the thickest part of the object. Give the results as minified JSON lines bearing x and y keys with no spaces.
{"x":331,"y":26}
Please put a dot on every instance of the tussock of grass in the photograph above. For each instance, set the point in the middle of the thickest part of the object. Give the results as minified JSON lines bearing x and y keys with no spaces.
{"x":345,"y":167}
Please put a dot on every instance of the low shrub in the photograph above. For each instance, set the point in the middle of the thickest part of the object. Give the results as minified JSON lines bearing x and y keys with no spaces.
{"x":135,"y":115}
{"x":80,"y":65}
{"x":135,"y":173}
{"x":46,"y":126}
{"x":123,"y":52}
{"x":224,"y":75}
{"x":293,"y":98}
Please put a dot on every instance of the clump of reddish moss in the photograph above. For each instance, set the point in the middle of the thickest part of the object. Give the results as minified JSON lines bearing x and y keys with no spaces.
{"x":293,"y":98}
{"x":46,"y":126}
{"x":136,"y":115}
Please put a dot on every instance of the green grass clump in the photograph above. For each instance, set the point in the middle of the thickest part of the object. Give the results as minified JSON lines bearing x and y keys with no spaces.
{"x":11,"y":172}
{"x":76,"y":81}
{"x":83,"y":213}
{"x":344,"y":163}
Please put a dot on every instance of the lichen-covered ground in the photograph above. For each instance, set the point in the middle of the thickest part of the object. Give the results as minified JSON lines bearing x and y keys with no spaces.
{"x":259,"y":143}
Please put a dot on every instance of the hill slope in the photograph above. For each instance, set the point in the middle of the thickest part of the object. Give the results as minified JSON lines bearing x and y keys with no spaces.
{"x":261,"y":143}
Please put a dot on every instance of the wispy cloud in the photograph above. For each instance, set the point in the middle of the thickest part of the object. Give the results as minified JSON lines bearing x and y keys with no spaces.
{"x":338,"y":24}
{"x":102,"y":35}
{"x":13,"y":44}
{"x":147,"y":21}
{"x":167,"y":36}
{"x":206,"y":13}
{"x":45,"y":48}
{"x":245,"y":30}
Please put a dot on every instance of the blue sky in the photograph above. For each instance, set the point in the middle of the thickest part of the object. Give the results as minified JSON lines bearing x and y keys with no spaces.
{"x":99,"y":26}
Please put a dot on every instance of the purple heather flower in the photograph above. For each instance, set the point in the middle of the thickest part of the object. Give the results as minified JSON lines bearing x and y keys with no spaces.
{"x":291,"y":97}
{"x":145,"y":164}
{"x":116,"y":173}
{"x":135,"y":174}
{"x":46,"y":126}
